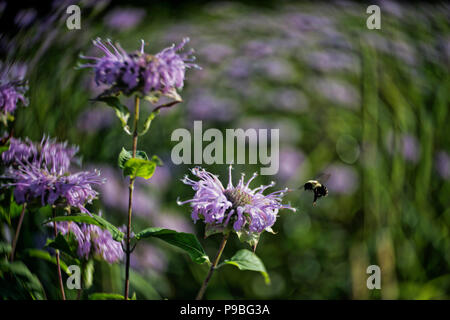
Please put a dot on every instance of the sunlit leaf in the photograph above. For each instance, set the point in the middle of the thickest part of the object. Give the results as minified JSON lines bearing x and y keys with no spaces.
{"x":246,"y":260}
{"x":186,"y":241}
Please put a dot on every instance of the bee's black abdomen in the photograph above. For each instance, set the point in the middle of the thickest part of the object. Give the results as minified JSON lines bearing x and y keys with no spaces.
{"x":308,"y":186}
{"x":322,"y":191}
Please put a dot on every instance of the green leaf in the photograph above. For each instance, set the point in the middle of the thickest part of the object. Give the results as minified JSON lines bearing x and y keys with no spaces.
{"x":5,"y":248}
{"x":251,"y":238}
{"x":23,"y":279}
{"x":126,"y":155}
{"x":60,"y":243}
{"x":14,"y":209}
{"x":93,"y":219}
{"x":44,"y":255}
{"x":105,"y":296}
{"x":112,"y":102}
{"x":121,"y":110}
{"x":157,"y":161}
{"x":3,"y":149}
{"x":136,"y":167}
{"x":88,"y":274}
{"x":186,"y":241}
{"x":211,"y":229}
{"x":141,"y":285}
{"x":246,"y":260}
{"x":148,"y":122}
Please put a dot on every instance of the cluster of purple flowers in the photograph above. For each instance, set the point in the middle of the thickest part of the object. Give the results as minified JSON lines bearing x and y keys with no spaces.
{"x":250,"y":209}
{"x":92,"y":241}
{"x":139,"y":71}
{"x":12,"y":88}
{"x":41,"y":171}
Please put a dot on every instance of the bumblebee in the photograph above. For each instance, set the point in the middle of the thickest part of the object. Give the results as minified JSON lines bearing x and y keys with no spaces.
{"x":317,"y":187}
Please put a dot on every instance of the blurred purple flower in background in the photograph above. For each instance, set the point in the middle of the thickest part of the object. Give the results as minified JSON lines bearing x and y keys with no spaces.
{"x":343,"y":179}
{"x":288,"y":100}
{"x":204,"y":105}
{"x":443,"y":164}
{"x":93,"y":120}
{"x":332,"y":60}
{"x":12,"y":88}
{"x":248,"y":209}
{"x":25,"y":17}
{"x":144,"y":204}
{"x":173,"y":221}
{"x":215,"y":52}
{"x":258,"y":49}
{"x":124,"y":19}
{"x":149,"y":257}
{"x":337,"y":91}
{"x":408,"y":146}
{"x":276,"y":69}
{"x":292,"y":159}
{"x":239,"y":68}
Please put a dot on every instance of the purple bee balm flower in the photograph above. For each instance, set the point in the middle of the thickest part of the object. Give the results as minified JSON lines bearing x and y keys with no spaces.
{"x":12,"y":88}
{"x":124,"y":18}
{"x":46,"y":176}
{"x":443,"y":164}
{"x":92,"y":241}
{"x":248,"y":209}
{"x":139,"y":71}
{"x":19,"y":151}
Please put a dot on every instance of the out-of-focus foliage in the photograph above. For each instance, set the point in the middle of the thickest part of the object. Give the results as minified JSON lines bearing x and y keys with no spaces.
{"x":368,"y":106}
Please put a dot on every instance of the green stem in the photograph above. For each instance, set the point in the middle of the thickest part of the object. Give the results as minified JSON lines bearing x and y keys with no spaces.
{"x":130,"y":202}
{"x":16,"y":236}
{"x":213,"y":267}
{"x":58,"y":264}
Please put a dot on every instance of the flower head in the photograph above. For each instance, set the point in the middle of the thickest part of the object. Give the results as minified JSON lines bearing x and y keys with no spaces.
{"x":12,"y":89}
{"x":42,"y":171}
{"x":138,"y":71}
{"x":19,"y":151}
{"x":92,"y":241}
{"x":248,"y":210}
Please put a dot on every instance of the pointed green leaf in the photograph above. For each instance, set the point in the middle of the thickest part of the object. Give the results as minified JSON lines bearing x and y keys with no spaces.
{"x":252,"y":238}
{"x":126,"y":155}
{"x":186,"y":241}
{"x":5,"y":248}
{"x":211,"y":229}
{"x":121,"y":110}
{"x":157,"y":161}
{"x":44,"y":255}
{"x":136,"y":167}
{"x":24,"y":279}
{"x":246,"y":260}
{"x":60,"y":243}
{"x":88,"y":274}
{"x":148,"y":122}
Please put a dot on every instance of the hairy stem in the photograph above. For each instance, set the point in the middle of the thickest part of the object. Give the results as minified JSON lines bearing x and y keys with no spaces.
{"x":58,"y":264}
{"x":213,"y":267}
{"x":16,"y":236}
{"x":130,"y":202}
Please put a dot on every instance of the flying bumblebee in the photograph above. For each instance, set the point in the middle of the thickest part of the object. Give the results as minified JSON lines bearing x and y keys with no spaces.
{"x":317,"y":187}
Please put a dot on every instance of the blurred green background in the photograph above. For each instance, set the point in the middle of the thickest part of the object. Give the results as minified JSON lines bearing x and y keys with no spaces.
{"x":370,"y":107}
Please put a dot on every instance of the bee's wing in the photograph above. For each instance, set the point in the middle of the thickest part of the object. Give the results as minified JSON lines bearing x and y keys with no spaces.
{"x":323,"y":177}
